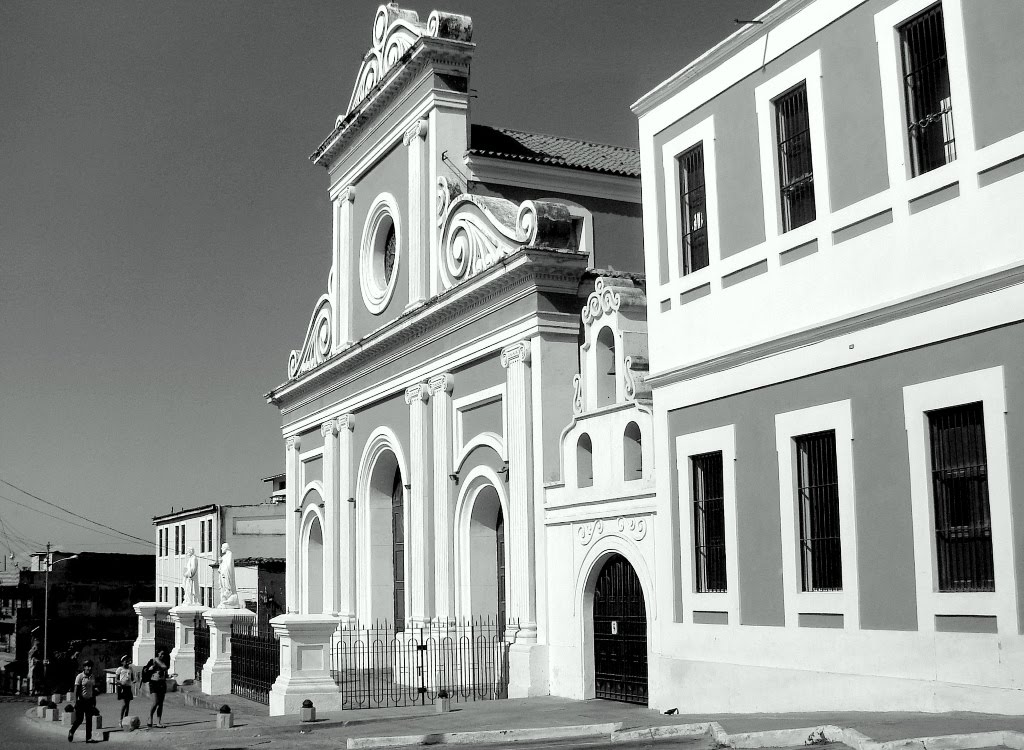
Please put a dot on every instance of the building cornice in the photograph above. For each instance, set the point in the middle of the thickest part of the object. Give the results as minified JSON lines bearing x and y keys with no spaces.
{"x":530,"y":268}
{"x":492,"y":170}
{"x":183,"y":514}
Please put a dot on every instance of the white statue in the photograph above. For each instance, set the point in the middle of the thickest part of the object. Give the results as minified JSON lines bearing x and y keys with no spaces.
{"x":228,"y":592}
{"x":188,"y":576}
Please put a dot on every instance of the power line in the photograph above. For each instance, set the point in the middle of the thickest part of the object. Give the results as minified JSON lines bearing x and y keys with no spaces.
{"x":76,"y":515}
{"x":133,"y":540}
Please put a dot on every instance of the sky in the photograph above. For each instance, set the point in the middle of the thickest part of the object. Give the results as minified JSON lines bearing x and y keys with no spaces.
{"x":164,"y":237}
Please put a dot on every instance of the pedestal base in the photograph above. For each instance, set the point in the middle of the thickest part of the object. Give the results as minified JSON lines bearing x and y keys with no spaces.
{"x":305,"y":664}
{"x":527,"y":670}
{"x":217,"y":670}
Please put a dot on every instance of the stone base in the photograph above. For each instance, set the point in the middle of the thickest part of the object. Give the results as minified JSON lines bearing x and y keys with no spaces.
{"x":50,"y":714}
{"x":305,"y":664}
{"x":217,"y":678}
{"x":309,"y":714}
{"x":527,"y":670}
{"x":288,"y":699}
{"x":225,"y":721}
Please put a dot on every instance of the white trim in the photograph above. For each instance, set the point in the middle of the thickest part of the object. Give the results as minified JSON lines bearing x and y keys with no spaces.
{"x":471,"y":401}
{"x":377,"y":292}
{"x":834,"y":416}
{"x":807,"y":70}
{"x":693,"y":444}
{"x":905,"y":187}
{"x":482,"y":439}
{"x":702,"y":133}
{"x":479,"y":478}
{"x":987,"y":386}
{"x":558,"y":179}
{"x":305,"y":526}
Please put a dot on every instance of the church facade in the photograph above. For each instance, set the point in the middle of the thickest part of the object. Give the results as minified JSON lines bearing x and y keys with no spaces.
{"x":422,"y":412}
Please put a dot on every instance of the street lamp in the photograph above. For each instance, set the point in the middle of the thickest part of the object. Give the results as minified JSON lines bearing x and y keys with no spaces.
{"x":46,"y":609}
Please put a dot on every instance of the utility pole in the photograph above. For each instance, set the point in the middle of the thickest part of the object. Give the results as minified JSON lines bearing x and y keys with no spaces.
{"x":46,"y":614}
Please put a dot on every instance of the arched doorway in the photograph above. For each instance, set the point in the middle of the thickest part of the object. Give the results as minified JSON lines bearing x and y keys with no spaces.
{"x":620,"y":633}
{"x":487,"y":557}
{"x":381,"y":564}
{"x":314,"y":582}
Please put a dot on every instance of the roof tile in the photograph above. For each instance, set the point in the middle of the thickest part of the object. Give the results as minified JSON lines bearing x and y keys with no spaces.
{"x":503,"y":143}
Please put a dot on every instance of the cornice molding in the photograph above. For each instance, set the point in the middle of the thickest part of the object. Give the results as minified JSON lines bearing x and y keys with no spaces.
{"x":491,"y":170}
{"x":527,"y":271}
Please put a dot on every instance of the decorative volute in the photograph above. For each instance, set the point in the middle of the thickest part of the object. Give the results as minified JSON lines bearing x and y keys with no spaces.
{"x":613,"y":357}
{"x":316,"y":347}
{"x":395,"y":31}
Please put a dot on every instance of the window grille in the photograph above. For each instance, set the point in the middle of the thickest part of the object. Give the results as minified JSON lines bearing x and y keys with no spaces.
{"x":926,"y":91}
{"x":818,"y":496}
{"x":390,"y":247}
{"x":398,"y":549}
{"x":693,"y":202}
{"x":709,"y":522}
{"x":963,"y":523}
{"x":796,"y":173}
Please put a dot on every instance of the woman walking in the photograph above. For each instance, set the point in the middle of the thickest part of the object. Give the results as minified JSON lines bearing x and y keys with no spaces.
{"x":85,"y":702}
{"x":124,"y":679}
{"x":157,"y":668}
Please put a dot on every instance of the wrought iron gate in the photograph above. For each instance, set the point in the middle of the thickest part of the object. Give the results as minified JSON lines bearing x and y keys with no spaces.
{"x":163,"y":635}
{"x":381,"y":666}
{"x":255,"y":660}
{"x":201,"y":635}
{"x":620,"y":634}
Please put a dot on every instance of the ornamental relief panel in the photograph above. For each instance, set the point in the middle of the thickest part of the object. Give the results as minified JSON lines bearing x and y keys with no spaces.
{"x":632,"y":528}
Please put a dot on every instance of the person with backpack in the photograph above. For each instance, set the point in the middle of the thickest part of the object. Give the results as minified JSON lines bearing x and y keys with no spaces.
{"x":156,"y":673}
{"x":124,"y":679}
{"x":85,"y":702}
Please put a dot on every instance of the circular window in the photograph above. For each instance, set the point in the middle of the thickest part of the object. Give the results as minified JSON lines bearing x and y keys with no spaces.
{"x":380,"y":253}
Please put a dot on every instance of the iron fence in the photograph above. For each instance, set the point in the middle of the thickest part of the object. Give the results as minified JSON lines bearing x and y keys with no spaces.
{"x":255,"y":660}
{"x":201,"y":635}
{"x":13,"y":684}
{"x":382,"y":666}
{"x":164,"y":636}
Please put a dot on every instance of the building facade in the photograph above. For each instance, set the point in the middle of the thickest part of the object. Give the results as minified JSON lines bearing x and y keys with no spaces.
{"x":834,"y":266}
{"x":421,"y":415}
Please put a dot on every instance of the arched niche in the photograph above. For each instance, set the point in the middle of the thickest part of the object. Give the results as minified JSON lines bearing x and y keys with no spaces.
{"x":632,"y":453}
{"x":584,"y":461}
{"x":605,"y":367}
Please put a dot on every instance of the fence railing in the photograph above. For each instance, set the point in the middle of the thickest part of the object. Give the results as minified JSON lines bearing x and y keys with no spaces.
{"x":13,"y":684}
{"x":163,"y":631}
{"x":380,"y":667}
{"x":201,"y":635}
{"x":255,"y":660}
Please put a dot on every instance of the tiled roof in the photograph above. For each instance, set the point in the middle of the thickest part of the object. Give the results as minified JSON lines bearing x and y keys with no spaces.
{"x":502,"y":143}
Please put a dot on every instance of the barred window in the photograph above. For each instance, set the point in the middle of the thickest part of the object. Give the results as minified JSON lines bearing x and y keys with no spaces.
{"x":709,"y":522}
{"x":926,"y":90}
{"x":818,"y":497}
{"x":963,"y":522}
{"x":693,"y":204}
{"x":796,"y":173}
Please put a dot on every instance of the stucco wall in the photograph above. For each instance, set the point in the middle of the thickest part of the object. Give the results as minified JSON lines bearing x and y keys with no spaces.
{"x":994,"y":30}
{"x":881,"y":471}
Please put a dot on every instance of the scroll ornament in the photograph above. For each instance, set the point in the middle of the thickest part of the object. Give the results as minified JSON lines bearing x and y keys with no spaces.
{"x":316,"y":347}
{"x":634,"y":528}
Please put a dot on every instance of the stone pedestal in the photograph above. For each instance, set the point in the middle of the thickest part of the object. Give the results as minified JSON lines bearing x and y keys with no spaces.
{"x":225,"y":721}
{"x":527,"y":666}
{"x":305,"y":663}
{"x":144,"y":647}
{"x":217,"y":670}
{"x":183,"y":655}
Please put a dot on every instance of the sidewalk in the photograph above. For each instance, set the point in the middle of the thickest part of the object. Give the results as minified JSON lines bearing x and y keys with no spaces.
{"x":191,"y":726}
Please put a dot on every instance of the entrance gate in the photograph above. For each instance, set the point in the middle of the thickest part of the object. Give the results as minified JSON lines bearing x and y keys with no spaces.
{"x":620,"y":634}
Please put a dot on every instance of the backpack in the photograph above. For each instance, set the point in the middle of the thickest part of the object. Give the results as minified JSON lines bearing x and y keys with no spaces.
{"x":147,"y":671}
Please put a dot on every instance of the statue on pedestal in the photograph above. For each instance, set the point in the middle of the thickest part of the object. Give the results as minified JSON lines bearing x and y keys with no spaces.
{"x":188,"y":576}
{"x":228,"y":592}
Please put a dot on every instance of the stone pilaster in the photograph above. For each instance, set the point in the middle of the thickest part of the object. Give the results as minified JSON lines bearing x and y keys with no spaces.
{"x":217,"y":670}
{"x":305,"y":664}
{"x":418,"y":535}
{"x":183,"y":655}
{"x":332,"y":560}
{"x":291,"y":523}
{"x":346,"y":596}
{"x":344,"y":248}
{"x":444,"y":577}
{"x":144,"y":647}
{"x":418,"y":186}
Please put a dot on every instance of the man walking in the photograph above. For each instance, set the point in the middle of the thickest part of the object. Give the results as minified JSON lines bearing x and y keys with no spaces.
{"x":85,"y":702}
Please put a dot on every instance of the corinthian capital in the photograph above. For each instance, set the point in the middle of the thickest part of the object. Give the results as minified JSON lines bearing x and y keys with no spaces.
{"x":419,"y":130}
{"x":443,"y":383}
{"x":418,"y":392}
{"x":518,"y":352}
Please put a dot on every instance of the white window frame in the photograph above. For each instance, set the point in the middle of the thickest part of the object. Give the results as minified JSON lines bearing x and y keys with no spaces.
{"x":987,"y":386}
{"x":468,"y":402}
{"x":807,"y":70}
{"x":890,"y":63}
{"x":702,"y":133}
{"x":377,"y":293}
{"x":694,"y":444}
{"x":788,"y":426}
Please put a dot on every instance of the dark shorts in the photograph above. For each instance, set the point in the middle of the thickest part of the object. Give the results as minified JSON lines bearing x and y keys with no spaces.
{"x":124,"y":692}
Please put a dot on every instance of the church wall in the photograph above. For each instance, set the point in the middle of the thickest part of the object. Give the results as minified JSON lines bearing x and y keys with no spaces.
{"x":559,"y":357}
{"x":391,"y":412}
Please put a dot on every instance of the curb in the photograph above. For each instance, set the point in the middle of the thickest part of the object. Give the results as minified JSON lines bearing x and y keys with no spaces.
{"x":489,"y":737}
{"x":664,"y":732}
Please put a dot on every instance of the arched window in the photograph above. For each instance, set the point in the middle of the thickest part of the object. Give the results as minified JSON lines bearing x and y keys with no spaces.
{"x":584,"y":462}
{"x":632,"y":455}
{"x":605,"y":367}
{"x":398,"y":549}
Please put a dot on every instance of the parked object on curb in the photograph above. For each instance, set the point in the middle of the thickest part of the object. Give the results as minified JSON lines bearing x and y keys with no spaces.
{"x":225,"y":719}
{"x":308,"y":710}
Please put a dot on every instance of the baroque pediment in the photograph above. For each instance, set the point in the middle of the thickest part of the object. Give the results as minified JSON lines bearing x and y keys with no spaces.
{"x":395,"y":31}
{"x":316,"y":347}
